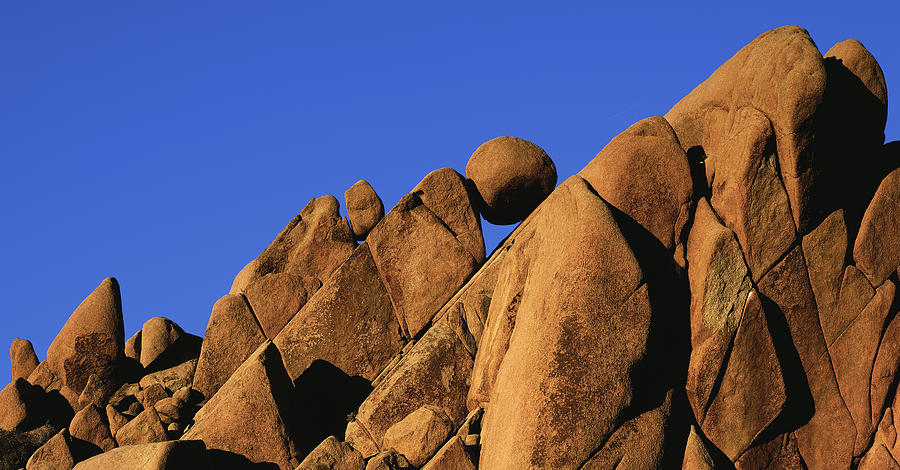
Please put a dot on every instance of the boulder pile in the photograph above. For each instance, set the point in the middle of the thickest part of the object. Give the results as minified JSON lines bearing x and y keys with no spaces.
{"x":716,"y":289}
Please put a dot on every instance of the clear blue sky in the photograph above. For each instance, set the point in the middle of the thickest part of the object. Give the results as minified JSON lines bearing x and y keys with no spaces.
{"x":167,"y":144}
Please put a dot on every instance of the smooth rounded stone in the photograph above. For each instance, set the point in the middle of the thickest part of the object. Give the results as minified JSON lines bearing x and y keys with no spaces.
{"x":90,"y":425}
{"x":277,"y":297}
{"x":364,"y":208}
{"x":232,"y":334}
{"x":419,"y":435}
{"x":22,"y":358}
{"x":157,"y":334}
{"x":332,"y":454}
{"x":133,"y":347}
{"x":92,"y":341}
{"x":512,"y":176}
{"x":859,"y":61}
{"x":313,"y":244}
{"x":152,"y":456}
{"x":55,"y":454}
{"x":146,"y":427}
{"x":645,"y":173}
{"x":875,"y":250}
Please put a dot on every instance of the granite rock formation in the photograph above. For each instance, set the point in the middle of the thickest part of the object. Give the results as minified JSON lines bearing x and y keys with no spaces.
{"x":716,"y":289}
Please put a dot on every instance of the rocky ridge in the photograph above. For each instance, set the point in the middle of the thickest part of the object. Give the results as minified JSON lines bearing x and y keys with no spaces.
{"x":716,"y":289}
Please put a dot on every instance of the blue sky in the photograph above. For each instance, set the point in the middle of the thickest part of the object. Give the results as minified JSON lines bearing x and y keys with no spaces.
{"x":167,"y":144}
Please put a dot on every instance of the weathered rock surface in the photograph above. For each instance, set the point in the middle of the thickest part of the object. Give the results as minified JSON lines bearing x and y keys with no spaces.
{"x":332,"y":454}
{"x":419,"y":435}
{"x":255,"y":401}
{"x":154,"y":456}
{"x":364,"y":208}
{"x":512,"y":176}
{"x":879,"y":235}
{"x":90,"y":425}
{"x":277,"y":297}
{"x":55,"y":454}
{"x":22,"y":358}
{"x":143,"y":429}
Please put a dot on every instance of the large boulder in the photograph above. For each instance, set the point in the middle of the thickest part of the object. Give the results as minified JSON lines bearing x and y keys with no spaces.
{"x":90,"y":425}
{"x":20,"y":406}
{"x":644,"y":173}
{"x":512,"y":176}
{"x":55,"y":454}
{"x":145,"y":428}
{"x":781,"y":73}
{"x":313,"y":244}
{"x":22,"y":358}
{"x":157,"y":334}
{"x":349,"y":322}
{"x":154,"y":456}
{"x":233,"y":333}
{"x":92,"y":341}
{"x":256,"y":401}
{"x":419,"y":435}
{"x":364,"y":208}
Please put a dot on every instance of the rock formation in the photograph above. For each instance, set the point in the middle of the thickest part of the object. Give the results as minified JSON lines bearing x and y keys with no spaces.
{"x":716,"y":289}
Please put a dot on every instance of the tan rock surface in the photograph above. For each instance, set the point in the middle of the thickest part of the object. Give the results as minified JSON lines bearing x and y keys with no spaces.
{"x":90,"y":425}
{"x":446,"y":193}
{"x":875,"y":247}
{"x":55,"y":454}
{"x":364,"y":208}
{"x":419,"y":435}
{"x":22,"y":358}
{"x":143,"y":429}
{"x":153,"y":456}
{"x":452,"y":455}
{"x":157,"y":334}
{"x":277,"y":297}
{"x":332,"y":454}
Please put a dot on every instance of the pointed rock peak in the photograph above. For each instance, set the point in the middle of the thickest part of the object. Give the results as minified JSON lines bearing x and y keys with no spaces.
{"x":92,"y":340}
{"x":256,"y":401}
{"x":22,"y":358}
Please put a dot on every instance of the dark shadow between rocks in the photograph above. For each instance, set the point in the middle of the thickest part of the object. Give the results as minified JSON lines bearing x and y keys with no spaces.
{"x":325,"y":397}
{"x":799,"y":406}
{"x":182,"y":350}
{"x":216,"y":458}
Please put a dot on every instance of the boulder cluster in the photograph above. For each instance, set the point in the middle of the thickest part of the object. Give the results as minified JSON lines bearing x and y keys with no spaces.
{"x":715,"y":289}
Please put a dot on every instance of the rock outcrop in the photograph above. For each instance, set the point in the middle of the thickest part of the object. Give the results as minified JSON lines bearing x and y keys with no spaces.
{"x":716,"y":289}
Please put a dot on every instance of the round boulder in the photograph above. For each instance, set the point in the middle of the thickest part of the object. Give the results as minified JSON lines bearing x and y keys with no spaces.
{"x":512,"y":176}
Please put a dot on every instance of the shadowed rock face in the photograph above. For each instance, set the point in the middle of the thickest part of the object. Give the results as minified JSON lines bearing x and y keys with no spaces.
{"x":716,"y":289}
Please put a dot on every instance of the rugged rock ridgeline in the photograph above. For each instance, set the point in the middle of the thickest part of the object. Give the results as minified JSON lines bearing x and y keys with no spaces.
{"x":715,"y":289}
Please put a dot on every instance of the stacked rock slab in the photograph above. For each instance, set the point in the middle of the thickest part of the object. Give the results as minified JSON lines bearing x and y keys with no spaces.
{"x":699,"y":295}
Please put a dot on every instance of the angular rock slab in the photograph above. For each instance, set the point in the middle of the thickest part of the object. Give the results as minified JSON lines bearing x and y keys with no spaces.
{"x":747,"y":191}
{"x":90,"y":425}
{"x":781,"y":73}
{"x":143,"y":429}
{"x":825,"y":252}
{"x":853,"y":356}
{"x":22,"y":358}
{"x":419,"y":435}
{"x":452,"y":455}
{"x":55,"y":454}
{"x":436,"y":372}
{"x":875,"y":250}
{"x":564,"y":382}
{"x":93,"y":339}
{"x":752,"y":392}
{"x":313,"y":244}
{"x":277,"y":297}
{"x":887,"y":363}
{"x":412,"y":245}
{"x":154,"y":456}
{"x":696,"y":455}
{"x":254,"y":402}
{"x":445,"y":192}
{"x":233,"y":333}
{"x":349,"y":322}
{"x":332,"y":454}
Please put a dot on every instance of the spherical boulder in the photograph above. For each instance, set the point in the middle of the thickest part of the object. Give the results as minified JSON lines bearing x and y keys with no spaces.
{"x":512,"y":176}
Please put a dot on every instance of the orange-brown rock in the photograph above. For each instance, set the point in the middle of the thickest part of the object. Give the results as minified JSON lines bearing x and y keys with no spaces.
{"x":91,"y":341}
{"x":349,"y":322}
{"x":332,"y":454}
{"x":887,"y":363}
{"x":696,"y":455}
{"x":19,"y":408}
{"x":644,"y":173}
{"x":779,"y":453}
{"x":452,"y":455}
{"x":719,"y":281}
{"x":419,"y":435}
{"x":364,"y":208}
{"x":445,"y":192}
{"x":55,"y":454}
{"x":97,"y":391}
{"x":751,"y":393}
{"x":277,"y":297}
{"x":233,"y":333}
{"x":825,"y":252}
{"x":853,"y":357}
{"x":157,"y":334}
{"x":412,"y":244}
{"x":22,"y":358}
{"x":581,"y":325}
{"x":388,"y":460}
{"x":115,"y":419}
{"x":878,"y":458}
{"x":255,"y":401}
{"x":781,"y":73}
{"x":875,"y":247}
{"x":169,"y":410}
{"x":153,"y":456}
{"x":858,"y":60}
{"x":133,"y":347}
{"x":512,"y":176}
{"x":90,"y":425}
{"x":313,"y":244}
{"x":747,"y":192}
{"x":143,"y":429}
{"x":434,"y":372}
